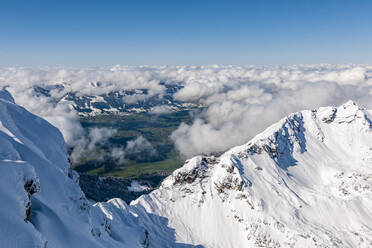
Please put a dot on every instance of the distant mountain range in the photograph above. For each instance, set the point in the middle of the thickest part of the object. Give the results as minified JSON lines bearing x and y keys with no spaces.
{"x":117,"y":101}
{"x":305,"y":181}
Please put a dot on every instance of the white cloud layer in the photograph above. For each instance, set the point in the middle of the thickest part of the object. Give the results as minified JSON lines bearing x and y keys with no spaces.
{"x":89,"y":140}
{"x":239,"y":101}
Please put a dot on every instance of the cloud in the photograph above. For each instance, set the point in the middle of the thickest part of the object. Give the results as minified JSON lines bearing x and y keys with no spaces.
{"x":239,"y":107}
{"x":135,"y":98}
{"x":161,"y":109}
{"x":71,"y":129}
{"x":99,"y":136}
{"x":238,"y":101}
{"x":92,"y":140}
{"x":140,"y":149}
{"x":118,"y":154}
{"x":96,"y":143}
{"x":21,"y":82}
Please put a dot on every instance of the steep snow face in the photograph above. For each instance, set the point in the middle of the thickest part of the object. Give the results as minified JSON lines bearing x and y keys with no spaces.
{"x":306,"y":181}
{"x":41,"y":203}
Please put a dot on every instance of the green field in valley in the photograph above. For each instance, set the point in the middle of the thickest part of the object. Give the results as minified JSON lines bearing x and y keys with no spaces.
{"x":154,"y":128}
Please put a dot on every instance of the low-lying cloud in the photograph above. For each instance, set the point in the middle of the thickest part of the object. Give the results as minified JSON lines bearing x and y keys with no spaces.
{"x":161,"y":109}
{"x":140,"y":149}
{"x":242,"y":103}
{"x":238,"y":101}
{"x":90,"y":140}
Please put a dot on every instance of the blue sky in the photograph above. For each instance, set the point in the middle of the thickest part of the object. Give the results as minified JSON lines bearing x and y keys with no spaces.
{"x":96,"y":33}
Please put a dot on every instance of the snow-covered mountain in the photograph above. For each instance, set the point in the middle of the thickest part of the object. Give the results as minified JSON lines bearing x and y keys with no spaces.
{"x":306,"y":181}
{"x":41,"y":202}
{"x":115,"y":101}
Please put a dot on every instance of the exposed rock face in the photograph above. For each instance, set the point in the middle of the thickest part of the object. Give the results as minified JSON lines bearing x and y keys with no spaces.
{"x":31,"y":188}
{"x":189,"y":175}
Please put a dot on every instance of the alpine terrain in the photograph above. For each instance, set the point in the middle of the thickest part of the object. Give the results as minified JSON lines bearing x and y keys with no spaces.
{"x":305,"y":181}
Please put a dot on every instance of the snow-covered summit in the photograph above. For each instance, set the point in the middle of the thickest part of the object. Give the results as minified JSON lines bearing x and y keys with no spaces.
{"x":305,"y":181}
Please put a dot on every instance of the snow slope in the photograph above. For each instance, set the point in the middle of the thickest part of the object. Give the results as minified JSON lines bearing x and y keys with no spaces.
{"x":306,"y":181}
{"x":41,"y":203}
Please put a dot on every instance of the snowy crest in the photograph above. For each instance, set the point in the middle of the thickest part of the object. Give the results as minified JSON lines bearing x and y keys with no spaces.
{"x":269,"y":191}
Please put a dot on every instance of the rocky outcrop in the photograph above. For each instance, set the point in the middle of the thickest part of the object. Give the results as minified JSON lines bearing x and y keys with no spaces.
{"x":31,"y":187}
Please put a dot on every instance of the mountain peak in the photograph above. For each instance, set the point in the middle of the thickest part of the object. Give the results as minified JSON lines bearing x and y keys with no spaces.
{"x":286,"y":187}
{"x":5,"y":95}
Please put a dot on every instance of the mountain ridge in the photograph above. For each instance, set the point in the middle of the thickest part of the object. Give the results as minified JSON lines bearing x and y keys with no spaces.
{"x":306,"y":181}
{"x":254,"y":181}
